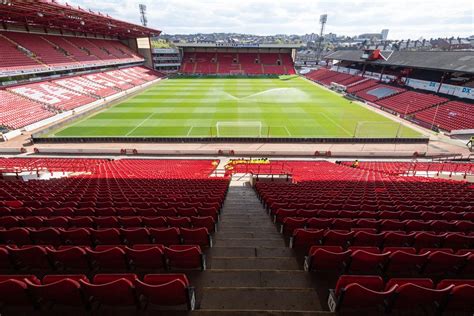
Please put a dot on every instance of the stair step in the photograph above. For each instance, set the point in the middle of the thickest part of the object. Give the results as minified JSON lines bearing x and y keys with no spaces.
{"x":250,"y":251}
{"x":243,"y":224}
{"x":243,"y":242}
{"x":250,"y":269}
{"x":278,"y":263}
{"x":251,"y":278}
{"x":246,"y":234}
{"x":265,"y":299}
{"x":245,"y":229}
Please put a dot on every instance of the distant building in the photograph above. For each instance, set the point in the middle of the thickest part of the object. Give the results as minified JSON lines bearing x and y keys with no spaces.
{"x":166,"y":60}
{"x":370,"y":36}
{"x":384,"y":34}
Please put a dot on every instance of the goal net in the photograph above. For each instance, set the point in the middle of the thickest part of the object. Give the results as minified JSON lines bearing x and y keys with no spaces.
{"x":239,"y":129}
{"x":379,"y":130}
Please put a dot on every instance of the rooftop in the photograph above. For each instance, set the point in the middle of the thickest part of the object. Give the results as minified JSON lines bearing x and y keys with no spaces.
{"x":52,"y":15}
{"x":458,"y":61}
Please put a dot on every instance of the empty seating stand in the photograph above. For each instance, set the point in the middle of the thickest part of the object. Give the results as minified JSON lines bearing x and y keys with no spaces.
{"x":115,"y":234}
{"x":40,"y":52}
{"x":27,"y":104}
{"x":427,"y":109}
{"x":453,"y":115}
{"x":237,"y":63}
{"x":401,"y":295}
{"x":16,"y":111}
{"x":385,"y":242}
{"x":410,"y":102}
{"x":326,"y":77}
{"x":103,"y":290}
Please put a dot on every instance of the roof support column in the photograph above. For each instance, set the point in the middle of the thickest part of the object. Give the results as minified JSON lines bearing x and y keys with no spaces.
{"x":382,"y":73}
{"x":441,"y":82}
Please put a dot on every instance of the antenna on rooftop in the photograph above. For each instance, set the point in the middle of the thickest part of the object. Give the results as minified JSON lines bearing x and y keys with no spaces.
{"x":323,"y":18}
{"x":143,"y":14}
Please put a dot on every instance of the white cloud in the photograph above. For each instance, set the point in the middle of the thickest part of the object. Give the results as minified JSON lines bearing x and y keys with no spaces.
{"x":404,"y":18}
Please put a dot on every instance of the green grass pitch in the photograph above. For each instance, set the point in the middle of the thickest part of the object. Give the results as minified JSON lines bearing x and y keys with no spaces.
{"x":236,"y":107}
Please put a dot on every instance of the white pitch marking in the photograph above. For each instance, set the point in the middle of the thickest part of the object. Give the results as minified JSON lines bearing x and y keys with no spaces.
{"x":190,"y":129}
{"x":330,"y":119}
{"x":141,"y":123}
{"x":286,"y":129}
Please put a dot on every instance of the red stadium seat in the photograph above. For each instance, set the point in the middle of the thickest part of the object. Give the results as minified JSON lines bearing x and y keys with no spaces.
{"x":150,"y":258}
{"x":185,"y":257}
{"x":166,"y":289}
{"x":112,"y":291}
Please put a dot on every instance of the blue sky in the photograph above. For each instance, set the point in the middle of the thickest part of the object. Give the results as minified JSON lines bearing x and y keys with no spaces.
{"x":405,"y":19}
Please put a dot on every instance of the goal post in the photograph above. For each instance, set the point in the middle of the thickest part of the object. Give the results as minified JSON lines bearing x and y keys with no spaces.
{"x":239,"y":129}
{"x":369,"y":129}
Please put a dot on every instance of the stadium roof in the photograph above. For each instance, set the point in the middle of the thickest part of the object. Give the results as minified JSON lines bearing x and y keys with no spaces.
{"x":52,"y":15}
{"x":459,"y":61}
{"x":235,"y":45}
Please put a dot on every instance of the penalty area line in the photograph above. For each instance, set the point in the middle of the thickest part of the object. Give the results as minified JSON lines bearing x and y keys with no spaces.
{"x":337,"y":124}
{"x":141,"y":123}
{"x":189,"y":132}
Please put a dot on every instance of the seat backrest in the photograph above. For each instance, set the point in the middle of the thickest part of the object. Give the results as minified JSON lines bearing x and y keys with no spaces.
{"x":157,"y":279}
{"x":374,"y":283}
{"x":424,"y":282}
{"x":65,"y":291}
{"x":14,"y":292}
{"x":173,"y":292}
{"x":402,"y":249}
{"x":107,"y":278}
{"x":373,"y":250}
{"x":410,"y":294}
{"x":52,"y":278}
{"x":115,"y":293}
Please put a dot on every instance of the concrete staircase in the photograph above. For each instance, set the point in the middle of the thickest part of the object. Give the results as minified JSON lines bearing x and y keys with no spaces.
{"x":251,"y":270}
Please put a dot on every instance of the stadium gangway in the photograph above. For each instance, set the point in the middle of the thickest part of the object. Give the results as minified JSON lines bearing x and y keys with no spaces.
{"x":441,"y":158}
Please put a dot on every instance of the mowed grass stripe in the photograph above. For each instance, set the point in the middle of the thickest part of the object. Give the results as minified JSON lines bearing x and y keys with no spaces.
{"x":193,"y":107}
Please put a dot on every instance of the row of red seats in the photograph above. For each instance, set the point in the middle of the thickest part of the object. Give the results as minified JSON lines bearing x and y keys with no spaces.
{"x":305,"y":238}
{"x":55,"y":51}
{"x":418,"y":239}
{"x":242,"y":63}
{"x":72,"y":92}
{"x":362,"y":85}
{"x":370,"y":294}
{"x":105,"y":236}
{"x":289,"y":224}
{"x":453,"y":115}
{"x":428,"y":108}
{"x":400,"y":168}
{"x":144,"y":257}
{"x":363,"y":260}
{"x":411,"y":101}
{"x":109,"y":290}
{"x":108,"y":222}
{"x":103,"y":208}
{"x":319,"y":74}
{"x":50,"y":164}
{"x":326,"y":77}
{"x":16,"y":61}
{"x":375,"y":216}
{"x":16,"y":111}
{"x":384,"y":207}
{"x":31,"y":103}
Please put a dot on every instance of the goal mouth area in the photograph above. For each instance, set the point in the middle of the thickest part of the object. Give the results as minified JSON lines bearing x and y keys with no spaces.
{"x":239,"y":129}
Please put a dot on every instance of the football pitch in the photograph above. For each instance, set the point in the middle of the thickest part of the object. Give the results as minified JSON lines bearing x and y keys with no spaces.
{"x":287,"y":107}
